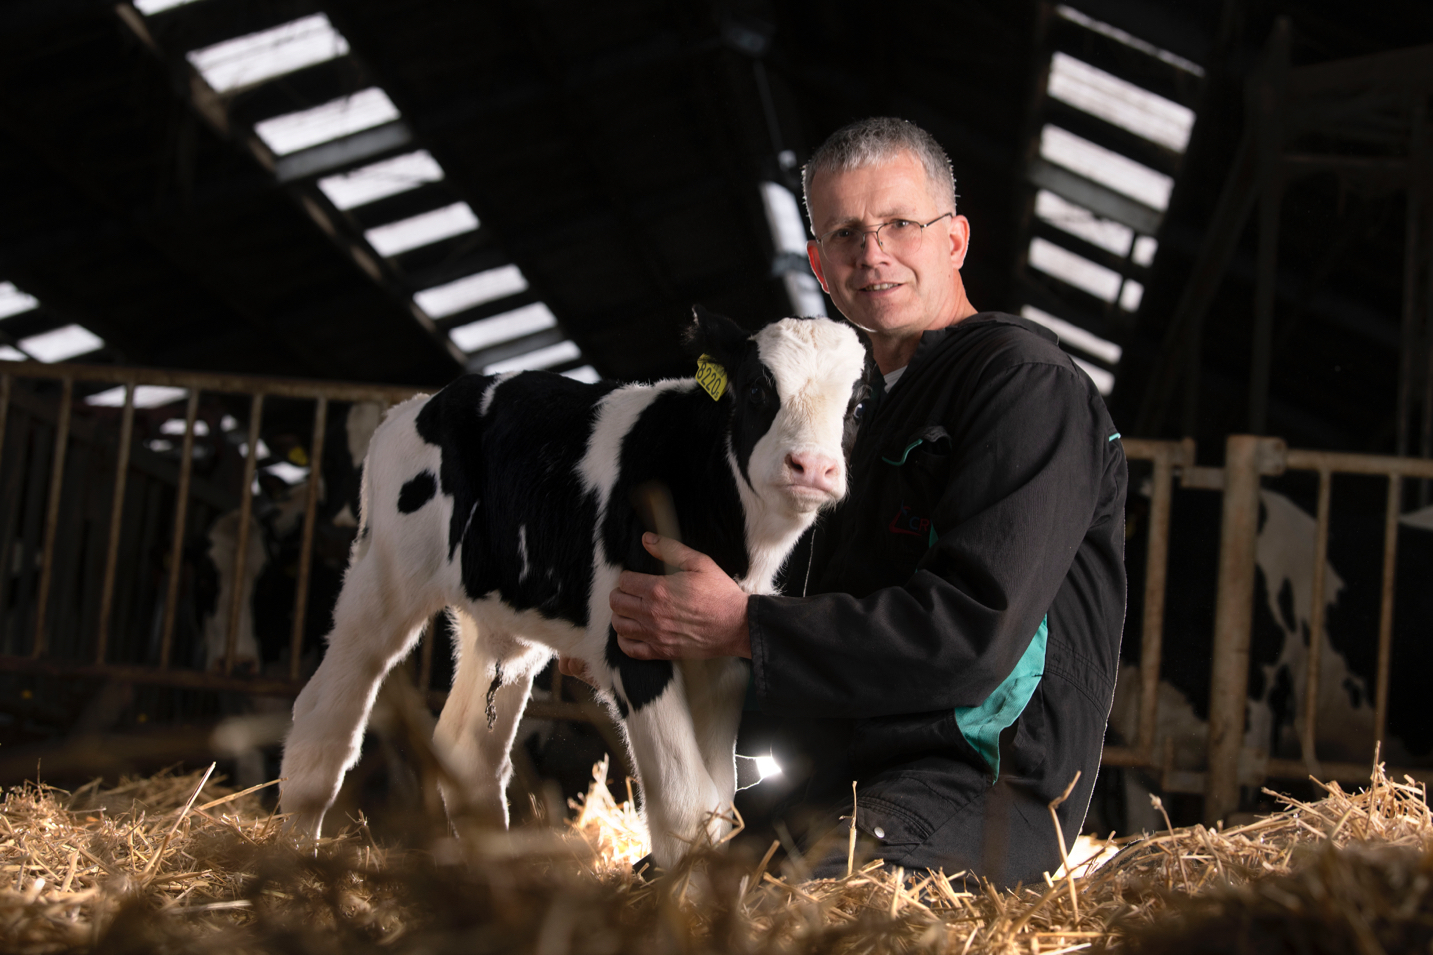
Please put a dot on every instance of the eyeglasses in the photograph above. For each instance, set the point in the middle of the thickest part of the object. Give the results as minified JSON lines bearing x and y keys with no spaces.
{"x":899,"y":236}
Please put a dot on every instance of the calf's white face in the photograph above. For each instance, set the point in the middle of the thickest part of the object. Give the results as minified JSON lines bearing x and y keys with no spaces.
{"x":797,"y":385}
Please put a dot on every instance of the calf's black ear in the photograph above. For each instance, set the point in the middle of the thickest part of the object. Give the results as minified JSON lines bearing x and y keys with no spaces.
{"x":718,"y":336}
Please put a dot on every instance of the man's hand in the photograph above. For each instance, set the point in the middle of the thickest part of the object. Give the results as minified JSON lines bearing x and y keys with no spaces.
{"x":696,"y":613}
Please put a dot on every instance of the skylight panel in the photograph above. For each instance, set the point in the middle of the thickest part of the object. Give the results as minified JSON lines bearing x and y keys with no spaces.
{"x":783,"y":217}
{"x":471,"y":290}
{"x":537,"y":358}
{"x":1131,"y":295}
{"x":486,"y":332}
{"x":1075,"y":336}
{"x":1104,"y":381}
{"x":1128,"y":39}
{"x":584,"y":373}
{"x":1075,"y":269}
{"x":341,"y":117}
{"x":381,"y":179}
{"x":1077,"y":220}
{"x":62,"y":343}
{"x":149,"y":7}
{"x":246,"y":60}
{"x":805,"y":294}
{"x":145,"y":396}
{"x":423,"y":229}
{"x":10,"y":353}
{"x":1120,"y":102}
{"x":1144,"y":249}
{"x":1108,"y":168}
{"x":13,"y":301}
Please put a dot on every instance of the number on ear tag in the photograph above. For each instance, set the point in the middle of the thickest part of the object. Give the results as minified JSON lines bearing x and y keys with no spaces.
{"x":711,"y":376}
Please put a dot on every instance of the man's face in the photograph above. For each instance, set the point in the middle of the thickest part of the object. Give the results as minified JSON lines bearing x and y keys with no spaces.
{"x":888,"y":295}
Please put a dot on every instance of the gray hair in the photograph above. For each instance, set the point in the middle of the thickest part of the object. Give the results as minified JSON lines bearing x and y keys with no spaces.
{"x":869,"y":142}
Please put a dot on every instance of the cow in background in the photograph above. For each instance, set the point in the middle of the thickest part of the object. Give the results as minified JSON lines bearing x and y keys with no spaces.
{"x":269,"y":582}
{"x":1280,"y":637}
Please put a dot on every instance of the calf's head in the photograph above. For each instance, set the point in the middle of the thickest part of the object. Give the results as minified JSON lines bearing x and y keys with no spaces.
{"x":796,"y":388}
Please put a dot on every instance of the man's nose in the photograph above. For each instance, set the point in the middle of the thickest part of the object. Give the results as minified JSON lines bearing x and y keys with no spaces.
{"x":870,"y":249}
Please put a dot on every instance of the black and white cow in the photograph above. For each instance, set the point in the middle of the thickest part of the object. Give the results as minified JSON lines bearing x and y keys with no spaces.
{"x":511,"y":499}
{"x":1282,"y":632}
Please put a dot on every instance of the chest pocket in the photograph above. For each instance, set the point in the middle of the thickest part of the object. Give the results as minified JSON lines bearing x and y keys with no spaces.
{"x":918,"y":470}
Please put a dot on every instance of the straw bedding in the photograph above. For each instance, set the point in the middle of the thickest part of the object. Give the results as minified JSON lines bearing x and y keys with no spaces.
{"x":178,"y":863}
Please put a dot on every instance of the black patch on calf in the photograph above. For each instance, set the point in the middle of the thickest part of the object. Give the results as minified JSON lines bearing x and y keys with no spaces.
{"x":417,"y":492}
{"x":516,"y":466}
{"x":642,"y":680}
{"x":621,"y":703}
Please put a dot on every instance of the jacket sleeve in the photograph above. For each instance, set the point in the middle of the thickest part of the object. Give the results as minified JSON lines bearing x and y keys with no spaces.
{"x":1024,"y":487}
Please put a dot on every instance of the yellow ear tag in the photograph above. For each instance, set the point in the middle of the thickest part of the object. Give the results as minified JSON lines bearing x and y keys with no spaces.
{"x":712,"y":377}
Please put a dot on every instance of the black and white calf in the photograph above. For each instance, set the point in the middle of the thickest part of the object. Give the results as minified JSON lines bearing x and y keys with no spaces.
{"x":511,"y":499}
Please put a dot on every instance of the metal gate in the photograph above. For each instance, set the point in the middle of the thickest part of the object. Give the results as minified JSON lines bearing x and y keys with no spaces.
{"x":1247,"y":459}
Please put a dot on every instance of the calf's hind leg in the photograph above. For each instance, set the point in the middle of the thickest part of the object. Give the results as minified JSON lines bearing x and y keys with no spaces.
{"x":475,"y":732}
{"x":375,"y":623}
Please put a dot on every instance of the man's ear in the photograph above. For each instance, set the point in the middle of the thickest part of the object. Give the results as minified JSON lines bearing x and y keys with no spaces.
{"x":718,"y":336}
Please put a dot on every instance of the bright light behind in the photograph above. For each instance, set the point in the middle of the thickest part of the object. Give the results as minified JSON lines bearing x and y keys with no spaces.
{"x":1075,"y":269}
{"x":62,"y":343}
{"x":341,"y":117}
{"x":1074,"y":335}
{"x":148,"y":7}
{"x":1077,"y":220}
{"x":1131,"y":295}
{"x":538,"y":358}
{"x":485,"y":332}
{"x":783,"y":217}
{"x":768,"y":766}
{"x":1120,"y":102}
{"x":585,"y":373}
{"x":246,"y":60}
{"x":145,"y":396}
{"x":423,"y":229}
{"x":7,"y":353}
{"x":805,"y":294}
{"x":1108,"y":168}
{"x":13,"y":301}
{"x":1104,"y":381}
{"x":381,"y":179}
{"x":176,"y":426}
{"x":1144,"y":249}
{"x":471,"y":290}
{"x":288,"y":473}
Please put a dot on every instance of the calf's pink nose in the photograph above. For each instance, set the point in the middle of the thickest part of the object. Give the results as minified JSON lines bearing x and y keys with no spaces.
{"x":814,"y":470}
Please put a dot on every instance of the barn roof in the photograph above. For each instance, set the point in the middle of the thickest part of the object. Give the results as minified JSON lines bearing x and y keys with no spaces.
{"x":397,"y":192}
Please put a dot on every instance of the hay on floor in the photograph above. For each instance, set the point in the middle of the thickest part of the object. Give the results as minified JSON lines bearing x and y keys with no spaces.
{"x":179,"y":863}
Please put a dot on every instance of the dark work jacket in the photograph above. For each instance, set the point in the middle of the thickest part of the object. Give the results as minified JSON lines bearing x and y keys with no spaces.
{"x":986,"y":496}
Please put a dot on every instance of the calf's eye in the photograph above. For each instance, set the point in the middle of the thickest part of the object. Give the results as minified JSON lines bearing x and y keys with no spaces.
{"x":754,"y":394}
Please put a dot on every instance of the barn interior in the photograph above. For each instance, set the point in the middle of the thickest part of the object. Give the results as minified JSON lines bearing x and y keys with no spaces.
{"x":1222,"y":207}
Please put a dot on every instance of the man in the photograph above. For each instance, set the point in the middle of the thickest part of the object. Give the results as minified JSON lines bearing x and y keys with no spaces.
{"x":953,"y":639}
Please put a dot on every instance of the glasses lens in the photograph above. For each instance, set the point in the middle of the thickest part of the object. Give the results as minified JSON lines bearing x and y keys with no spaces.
{"x":901,"y":235}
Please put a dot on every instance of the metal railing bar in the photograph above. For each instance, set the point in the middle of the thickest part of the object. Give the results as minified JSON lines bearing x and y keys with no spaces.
{"x":4,"y":410}
{"x":203,"y":381}
{"x":1309,"y":731}
{"x":1385,"y":614}
{"x":1345,"y":463}
{"x":1156,"y":570}
{"x":52,"y":514}
{"x":116,"y":518}
{"x":181,"y":520}
{"x":241,"y":547}
{"x":315,"y":478}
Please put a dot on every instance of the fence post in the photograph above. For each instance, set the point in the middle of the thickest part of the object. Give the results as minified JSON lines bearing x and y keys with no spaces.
{"x":1245,"y":458}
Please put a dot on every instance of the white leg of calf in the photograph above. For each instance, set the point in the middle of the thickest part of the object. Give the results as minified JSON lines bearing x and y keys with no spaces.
{"x":476,"y":730}
{"x":376,"y":622}
{"x":684,"y":808}
{"x":715,"y":692}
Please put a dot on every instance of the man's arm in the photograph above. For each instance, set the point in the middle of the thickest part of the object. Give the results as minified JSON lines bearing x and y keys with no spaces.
{"x":1031,"y":457}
